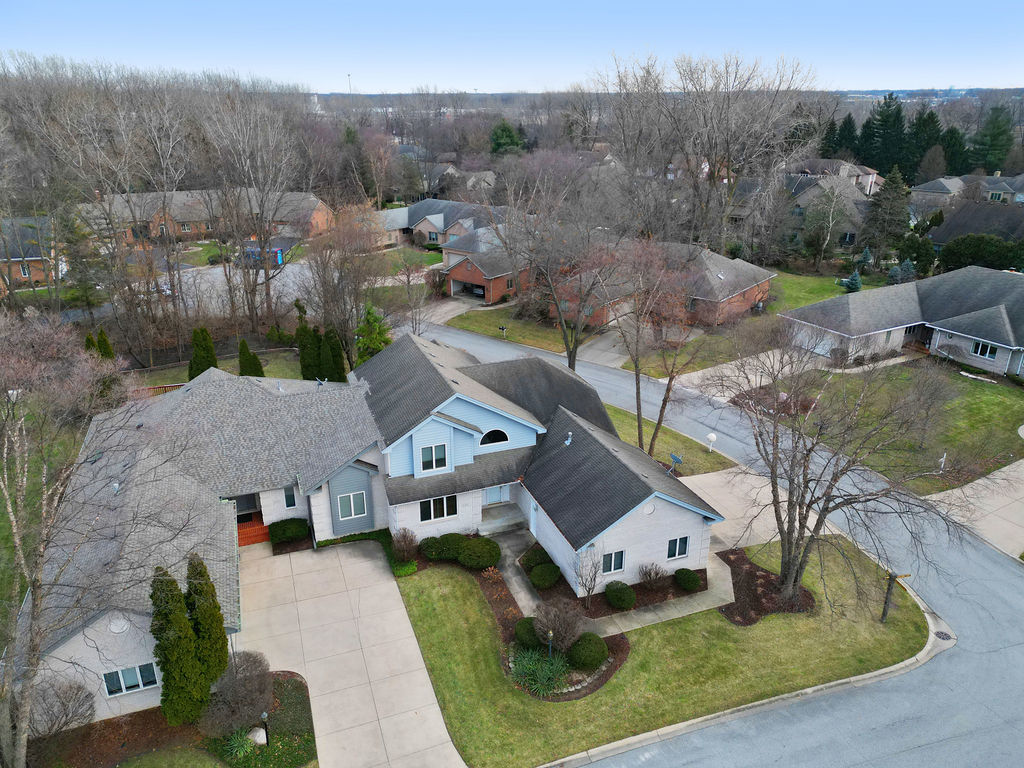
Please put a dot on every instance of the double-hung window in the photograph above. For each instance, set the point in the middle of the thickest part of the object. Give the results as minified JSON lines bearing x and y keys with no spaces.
{"x":351,"y":505}
{"x":130,"y":679}
{"x":186,"y":227}
{"x":678,"y":547}
{"x":613,"y":562}
{"x":433,"y":457}
{"x":436,"y":509}
{"x":289,"y":497}
{"x":432,"y":237}
{"x":981,"y":349}
{"x":24,"y":269}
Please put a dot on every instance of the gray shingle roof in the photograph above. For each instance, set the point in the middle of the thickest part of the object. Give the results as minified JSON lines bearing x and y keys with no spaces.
{"x":866,"y":311}
{"x":487,"y":470}
{"x":412,"y":377}
{"x":1004,"y":220}
{"x":712,"y":276}
{"x":26,"y":237}
{"x":990,"y":324}
{"x":588,"y":485}
{"x":541,"y":387}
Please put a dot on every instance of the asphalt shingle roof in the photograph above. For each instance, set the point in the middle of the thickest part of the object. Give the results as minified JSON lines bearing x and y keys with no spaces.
{"x":24,"y":238}
{"x":712,"y":276}
{"x":487,"y":470}
{"x":1004,"y":220}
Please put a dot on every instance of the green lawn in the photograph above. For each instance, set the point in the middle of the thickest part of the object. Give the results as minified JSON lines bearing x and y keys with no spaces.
{"x":173,"y":758}
{"x":696,"y":458}
{"x":277,"y":365}
{"x":198,"y":254}
{"x":981,"y":420}
{"x":487,"y":322}
{"x":676,"y":670}
{"x":402,"y":255}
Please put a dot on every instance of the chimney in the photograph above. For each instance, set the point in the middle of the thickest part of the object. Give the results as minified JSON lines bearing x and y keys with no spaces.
{"x":568,"y":439}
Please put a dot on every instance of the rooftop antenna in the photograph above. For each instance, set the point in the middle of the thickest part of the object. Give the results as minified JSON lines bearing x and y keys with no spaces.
{"x":568,"y":439}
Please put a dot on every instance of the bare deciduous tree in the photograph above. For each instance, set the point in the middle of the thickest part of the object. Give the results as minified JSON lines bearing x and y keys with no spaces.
{"x":587,"y":570}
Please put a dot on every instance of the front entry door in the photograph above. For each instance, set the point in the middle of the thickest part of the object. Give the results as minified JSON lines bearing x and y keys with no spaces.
{"x":492,"y":495}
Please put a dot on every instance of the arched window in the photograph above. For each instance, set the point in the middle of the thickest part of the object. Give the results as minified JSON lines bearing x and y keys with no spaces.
{"x":494,"y":436}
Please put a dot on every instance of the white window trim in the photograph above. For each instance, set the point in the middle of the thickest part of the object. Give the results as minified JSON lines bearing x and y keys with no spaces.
{"x":677,"y":556}
{"x":352,"y":506}
{"x":446,"y":516}
{"x":142,"y":687}
{"x":499,"y":442}
{"x":433,"y":458}
{"x":295,"y":499}
{"x":612,"y":556}
{"x":186,"y":227}
{"x":25,"y":271}
{"x":978,"y":345}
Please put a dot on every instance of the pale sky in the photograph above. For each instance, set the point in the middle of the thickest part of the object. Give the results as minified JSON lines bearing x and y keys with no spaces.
{"x":527,"y":45}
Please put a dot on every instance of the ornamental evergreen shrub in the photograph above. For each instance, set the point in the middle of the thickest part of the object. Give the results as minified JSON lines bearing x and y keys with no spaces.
{"x":545,"y":575}
{"x":534,"y":557}
{"x":449,"y":546}
{"x":203,"y":354}
{"x":290,"y":529}
{"x":185,"y":690}
{"x":526,"y":635}
{"x":687,"y":580}
{"x":104,"y":347}
{"x":479,"y":553}
{"x":589,"y":652}
{"x":620,"y":595}
{"x":207,"y":620}
{"x":335,"y":369}
{"x":90,"y":344}
{"x":430,"y":548}
{"x":248,"y":363}
{"x":542,"y":675}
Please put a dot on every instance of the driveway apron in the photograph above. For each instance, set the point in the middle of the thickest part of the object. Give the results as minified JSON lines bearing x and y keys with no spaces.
{"x":336,"y":617}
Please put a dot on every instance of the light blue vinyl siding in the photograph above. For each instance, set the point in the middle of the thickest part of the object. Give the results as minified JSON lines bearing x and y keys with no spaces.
{"x":401,"y":457}
{"x":431,"y":432}
{"x":465,"y":444}
{"x":519,"y":435}
{"x":349,"y":480}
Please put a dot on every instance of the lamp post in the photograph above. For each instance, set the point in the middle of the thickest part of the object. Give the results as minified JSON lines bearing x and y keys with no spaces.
{"x":711,"y":440}
{"x":551,"y":635}
{"x":266,"y":727}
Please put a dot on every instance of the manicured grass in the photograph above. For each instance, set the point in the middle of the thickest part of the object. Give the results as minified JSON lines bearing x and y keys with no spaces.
{"x":173,"y":758}
{"x":981,"y":420}
{"x":402,"y":255}
{"x":676,"y":670}
{"x":792,"y":290}
{"x":696,"y":459}
{"x":277,"y":365}
{"x":198,"y":254}
{"x":487,"y":322}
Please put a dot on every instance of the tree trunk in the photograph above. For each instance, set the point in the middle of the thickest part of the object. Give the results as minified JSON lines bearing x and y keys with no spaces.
{"x":639,"y":405}
{"x":665,"y":399}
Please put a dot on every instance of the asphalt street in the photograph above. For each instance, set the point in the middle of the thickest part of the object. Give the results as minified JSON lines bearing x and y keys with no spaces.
{"x":963,"y":708}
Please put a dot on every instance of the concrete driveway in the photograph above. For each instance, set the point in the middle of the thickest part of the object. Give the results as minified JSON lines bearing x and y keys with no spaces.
{"x":335,"y":616}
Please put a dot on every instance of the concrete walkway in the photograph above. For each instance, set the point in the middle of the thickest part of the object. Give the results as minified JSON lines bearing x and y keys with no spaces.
{"x":993,"y":506}
{"x":513,"y":544}
{"x":336,"y":617}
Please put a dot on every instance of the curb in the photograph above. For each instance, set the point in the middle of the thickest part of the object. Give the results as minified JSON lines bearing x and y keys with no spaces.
{"x":932,"y":648}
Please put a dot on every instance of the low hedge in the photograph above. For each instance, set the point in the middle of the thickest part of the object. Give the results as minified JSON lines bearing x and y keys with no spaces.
{"x":589,"y":652}
{"x":620,"y":595}
{"x":430,"y":548}
{"x":545,"y":575}
{"x":383,"y":537}
{"x":479,"y":553}
{"x":449,"y":546}
{"x":526,"y":635}
{"x":292,"y":529}
{"x":533,"y":558}
{"x":687,"y":580}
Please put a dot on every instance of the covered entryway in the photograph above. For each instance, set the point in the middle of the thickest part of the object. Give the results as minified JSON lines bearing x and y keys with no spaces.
{"x":251,"y":528}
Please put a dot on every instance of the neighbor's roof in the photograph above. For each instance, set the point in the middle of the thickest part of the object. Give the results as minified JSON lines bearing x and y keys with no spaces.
{"x":444,"y":213}
{"x":485,"y":251}
{"x":1004,"y":220}
{"x":588,"y":485}
{"x":485,"y":471}
{"x":712,"y":276}
{"x":24,"y":238}
{"x":983,"y":303}
{"x":412,"y":377}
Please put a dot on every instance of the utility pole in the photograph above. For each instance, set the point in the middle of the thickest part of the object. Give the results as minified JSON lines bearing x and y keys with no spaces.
{"x":350,"y":84}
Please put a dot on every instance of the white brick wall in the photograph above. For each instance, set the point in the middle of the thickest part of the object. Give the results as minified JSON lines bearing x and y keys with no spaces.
{"x":320,"y":506}
{"x":467,"y":521}
{"x":272,"y":504}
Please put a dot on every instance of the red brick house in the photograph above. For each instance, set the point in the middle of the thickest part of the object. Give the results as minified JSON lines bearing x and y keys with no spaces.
{"x":476,"y":264}
{"x":27,"y":255}
{"x":719,"y":289}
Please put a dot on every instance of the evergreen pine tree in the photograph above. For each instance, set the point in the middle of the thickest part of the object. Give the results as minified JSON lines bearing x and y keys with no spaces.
{"x":908,"y":272}
{"x":90,"y":344}
{"x":924,"y":132}
{"x":248,"y":363}
{"x":866,"y":152}
{"x":888,"y":217}
{"x":853,"y":283}
{"x":207,"y":621}
{"x":919,"y":251}
{"x":103,"y":345}
{"x":203,"y":354}
{"x":316,"y":343}
{"x":846,"y":137}
{"x":954,"y":147}
{"x":830,"y":139}
{"x":505,"y":139}
{"x":889,"y":135}
{"x":328,"y":369}
{"x":333,"y":341}
{"x":184,"y":691}
{"x":372,"y":335}
{"x":990,"y":145}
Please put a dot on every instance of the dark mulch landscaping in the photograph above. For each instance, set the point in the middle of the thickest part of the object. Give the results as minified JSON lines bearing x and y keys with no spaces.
{"x":108,"y":742}
{"x":664,"y":589}
{"x":757,"y":591}
{"x":618,"y":652}
{"x":286,"y":547}
{"x":503,"y":605}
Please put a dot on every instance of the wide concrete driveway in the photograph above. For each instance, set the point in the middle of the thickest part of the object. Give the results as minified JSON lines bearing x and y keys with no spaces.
{"x":335,"y":616}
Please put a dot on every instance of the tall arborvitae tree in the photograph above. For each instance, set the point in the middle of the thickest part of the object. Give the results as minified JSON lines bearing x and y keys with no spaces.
{"x":925,"y":132}
{"x":184,"y":690}
{"x":328,"y":369}
{"x":829,"y":140}
{"x":248,"y":363}
{"x":373,"y":335}
{"x":337,"y":370}
{"x":207,"y":621}
{"x":203,"y":354}
{"x":90,"y":344}
{"x":846,"y":137}
{"x":888,"y":218}
{"x":954,"y":149}
{"x":103,"y":345}
{"x":990,"y":145}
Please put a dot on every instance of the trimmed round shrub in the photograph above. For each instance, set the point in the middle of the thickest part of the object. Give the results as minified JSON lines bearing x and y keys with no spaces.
{"x":687,"y":580}
{"x":620,"y":595}
{"x":526,"y":635}
{"x":430,"y":548}
{"x":545,"y":575}
{"x":479,"y":553}
{"x":533,"y":558}
{"x":589,"y":652}
{"x":450,"y":545}
{"x":289,"y":529}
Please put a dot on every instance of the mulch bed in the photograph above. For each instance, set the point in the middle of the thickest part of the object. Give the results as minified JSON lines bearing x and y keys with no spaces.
{"x":757,"y":591}
{"x":664,"y":589}
{"x":286,"y":547}
{"x":618,"y":652}
{"x":503,"y":605}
